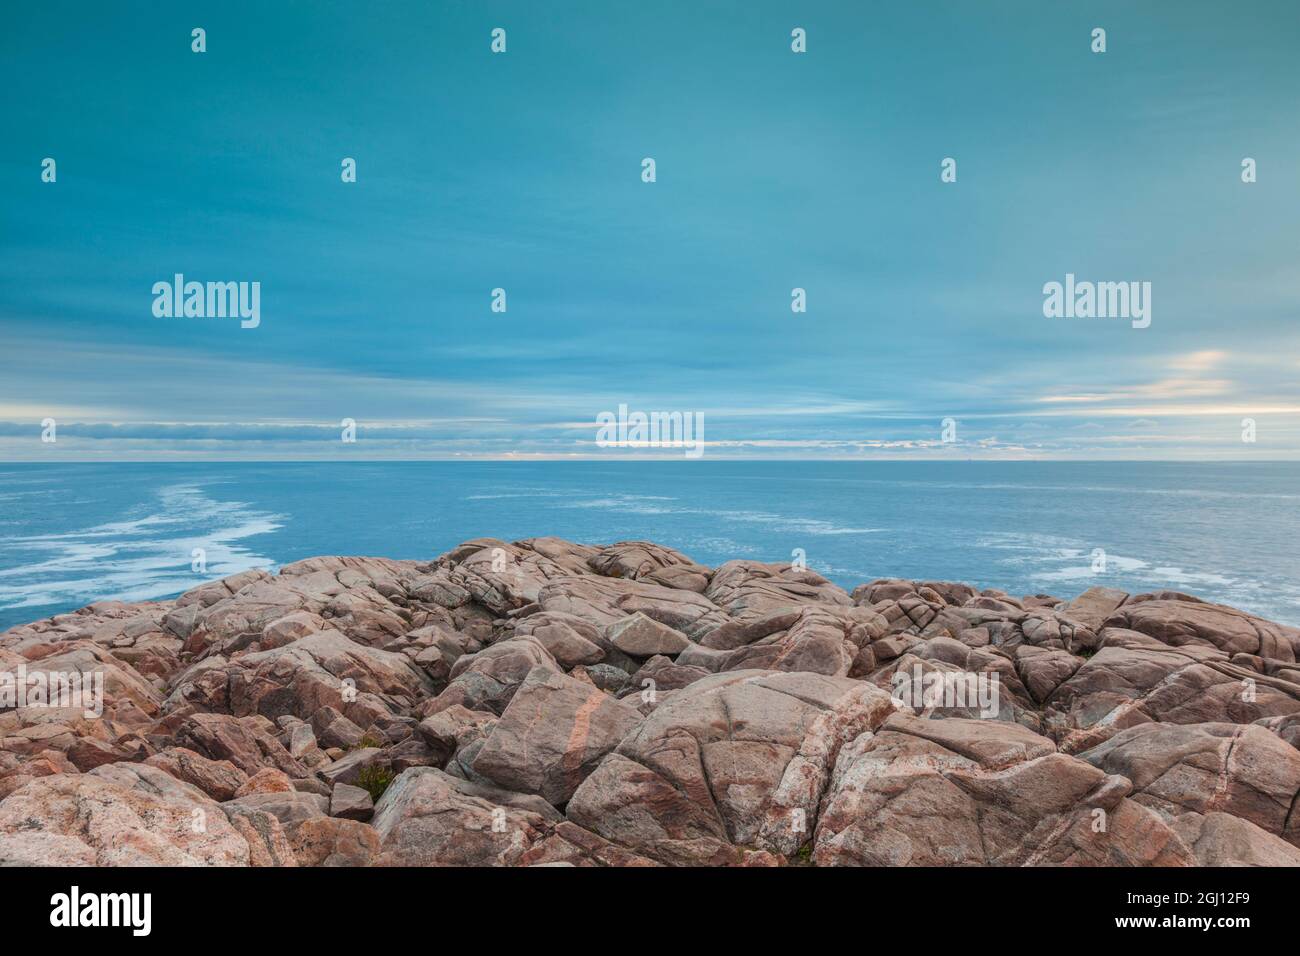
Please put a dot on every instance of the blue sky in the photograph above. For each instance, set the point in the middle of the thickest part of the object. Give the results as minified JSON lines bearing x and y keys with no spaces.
{"x":775,"y":170}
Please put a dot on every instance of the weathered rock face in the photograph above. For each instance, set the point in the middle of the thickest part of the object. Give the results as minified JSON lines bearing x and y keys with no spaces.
{"x":1136,"y":679}
{"x":733,"y":761}
{"x":602,"y":602}
{"x":487,"y":680}
{"x":219,"y":779}
{"x":128,"y":696}
{"x":245,"y":743}
{"x":93,"y":819}
{"x":333,"y":841}
{"x":1242,"y":770}
{"x":819,"y":640}
{"x":318,"y":670}
{"x":644,"y":561}
{"x":975,"y":793}
{"x":552,"y":735}
{"x":425,"y":820}
{"x":1220,"y":839}
{"x":505,"y":577}
{"x":749,"y":590}
{"x":1179,"y":619}
{"x":541,"y":702}
{"x":570,"y":640}
{"x":641,"y":636}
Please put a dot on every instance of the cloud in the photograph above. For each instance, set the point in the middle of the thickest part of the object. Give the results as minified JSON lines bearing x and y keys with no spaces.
{"x":1198,"y":361}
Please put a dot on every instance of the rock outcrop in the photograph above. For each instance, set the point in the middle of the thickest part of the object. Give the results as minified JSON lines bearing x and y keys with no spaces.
{"x":540,"y":702}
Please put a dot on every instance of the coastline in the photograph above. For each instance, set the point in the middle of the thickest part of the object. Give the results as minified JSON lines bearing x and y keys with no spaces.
{"x":540,"y":701}
{"x":71,"y":536}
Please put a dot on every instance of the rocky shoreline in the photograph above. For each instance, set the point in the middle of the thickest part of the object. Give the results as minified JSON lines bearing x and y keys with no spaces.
{"x":549,"y":703}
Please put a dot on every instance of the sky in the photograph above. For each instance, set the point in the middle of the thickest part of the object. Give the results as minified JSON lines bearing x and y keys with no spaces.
{"x":774,"y":170}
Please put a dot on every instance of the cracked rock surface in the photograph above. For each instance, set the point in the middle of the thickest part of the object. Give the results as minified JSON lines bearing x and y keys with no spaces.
{"x":541,"y":702}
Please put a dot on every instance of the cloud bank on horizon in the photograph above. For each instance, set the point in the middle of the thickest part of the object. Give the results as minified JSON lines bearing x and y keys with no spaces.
{"x":843,"y":252}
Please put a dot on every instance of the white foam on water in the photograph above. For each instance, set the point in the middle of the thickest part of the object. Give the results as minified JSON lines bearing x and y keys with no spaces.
{"x":1058,"y":565}
{"x":138,"y":559}
{"x":635,"y":504}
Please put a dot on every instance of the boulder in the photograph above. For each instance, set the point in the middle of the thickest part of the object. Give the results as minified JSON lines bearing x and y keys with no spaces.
{"x":504,"y":577}
{"x":290,"y":809}
{"x":219,"y":779}
{"x":645,"y":561}
{"x":322,"y":670}
{"x":351,"y":802}
{"x":604,"y":601}
{"x":730,"y":762}
{"x":487,"y":680}
{"x":661,"y":674}
{"x":1094,"y":606}
{"x":1220,"y":839}
{"x":247,"y":743}
{"x":454,"y":728}
{"x":424,"y":820}
{"x":1135,"y":679}
{"x":145,"y":818}
{"x":1179,"y":620}
{"x":641,"y":636}
{"x":267,"y":843}
{"x":957,"y":792}
{"x":1242,"y":770}
{"x":266,"y":780}
{"x":552,"y":735}
{"x":570,"y":845}
{"x":334,"y":841}
{"x":570,"y":640}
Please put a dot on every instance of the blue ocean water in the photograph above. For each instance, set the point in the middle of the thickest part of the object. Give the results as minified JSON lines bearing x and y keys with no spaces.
{"x":76,"y":533}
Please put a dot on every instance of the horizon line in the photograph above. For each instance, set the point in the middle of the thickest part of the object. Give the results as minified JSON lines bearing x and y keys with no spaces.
{"x":666,"y":458}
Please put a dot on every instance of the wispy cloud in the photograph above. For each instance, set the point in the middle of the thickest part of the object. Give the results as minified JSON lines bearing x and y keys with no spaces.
{"x":924,"y":299}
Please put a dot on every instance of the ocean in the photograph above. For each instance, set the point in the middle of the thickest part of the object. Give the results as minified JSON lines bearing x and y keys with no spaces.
{"x":71,"y":534}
